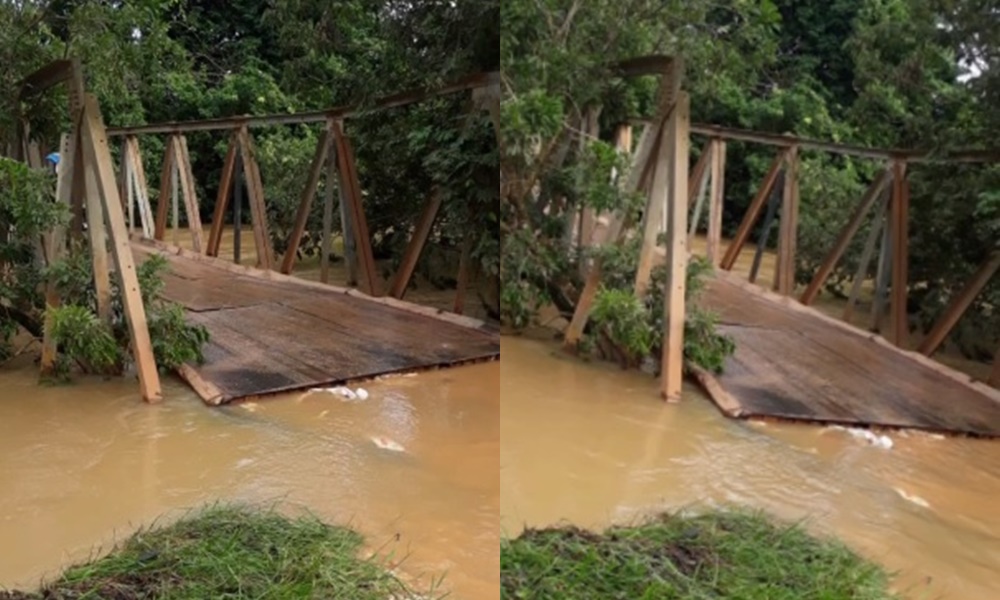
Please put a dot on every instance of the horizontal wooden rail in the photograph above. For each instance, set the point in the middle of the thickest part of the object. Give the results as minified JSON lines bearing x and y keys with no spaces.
{"x":471,"y":82}
{"x":787,"y":141}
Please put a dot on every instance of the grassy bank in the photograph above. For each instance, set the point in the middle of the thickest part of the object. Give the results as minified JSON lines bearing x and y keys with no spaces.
{"x":734,"y":555}
{"x":230,"y":553}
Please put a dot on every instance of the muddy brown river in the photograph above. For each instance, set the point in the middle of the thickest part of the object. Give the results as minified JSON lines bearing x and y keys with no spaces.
{"x":579,"y":442}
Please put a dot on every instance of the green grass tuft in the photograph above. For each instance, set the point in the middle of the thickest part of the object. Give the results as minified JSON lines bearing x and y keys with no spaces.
{"x":709,"y":557}
{"x":231,"y":553}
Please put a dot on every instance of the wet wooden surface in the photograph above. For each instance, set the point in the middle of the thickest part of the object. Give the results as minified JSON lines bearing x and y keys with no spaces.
{"x":792,"y":363}
{"x":276,"y":336}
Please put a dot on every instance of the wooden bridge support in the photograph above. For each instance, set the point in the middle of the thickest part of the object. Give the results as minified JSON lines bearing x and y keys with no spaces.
{"x":784,"y":279}
{"x":900,"y":218}
{"x":176,"y":180}
{"x":716,"y":204}
{"x":753,"y":214}
{"x":959,"y":305}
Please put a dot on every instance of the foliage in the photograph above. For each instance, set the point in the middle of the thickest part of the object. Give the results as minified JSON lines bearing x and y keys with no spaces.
{"x":720,"y":554}
{"x":236,"y":552}
{"x":103,"y":348}
{"x":635,"y":326}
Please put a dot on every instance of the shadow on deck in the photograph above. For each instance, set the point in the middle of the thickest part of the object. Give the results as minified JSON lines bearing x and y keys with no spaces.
{"x":272,"y":333}
{"x":793,"y":362}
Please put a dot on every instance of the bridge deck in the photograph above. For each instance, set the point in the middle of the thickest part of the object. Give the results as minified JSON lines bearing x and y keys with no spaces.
{"x":272,"y":333}
{"x":793,"y":362}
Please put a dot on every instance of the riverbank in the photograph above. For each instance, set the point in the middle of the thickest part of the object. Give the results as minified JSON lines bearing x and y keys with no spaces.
{"x":231,"y":552}
{"x":715,"y":555}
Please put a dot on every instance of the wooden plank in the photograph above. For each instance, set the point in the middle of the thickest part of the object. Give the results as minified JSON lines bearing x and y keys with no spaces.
{"x":222,"y":199}
{"x":141,"y":188}
{"x":698,"y":173}
{"x":98,"y":234}
{"x":864,"y":264}
{"x":753,"y":213}
{"x":872,"y":194}
{"x":305,"y":202}
{"x":98,"y":161}
{"x":883,"y":274}
{"x":699,"y":184}
{"x":69,"y":151}
{"x":784,"y":281}
{"x":255,"y":194}
{"x":677,"y":136}
{"x":994,"y":379}
{"x":191,"y":204}
{"x":328,"y":201}
{"x":166,"y":185}
{"x":718,"y":194}
{"x":959,"y":305}
{"x":464,"y":273}
{"x":349,"y":182}
{"x":415,"y":248}
{"x":900,"y":254}
{"x":765,"y":233}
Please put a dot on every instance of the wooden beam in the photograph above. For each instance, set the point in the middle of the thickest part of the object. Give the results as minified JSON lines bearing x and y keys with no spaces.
{"x":753,"y":213}
{"x":328,"y":201}
{"x":883,"y":274}
{"x":718,"y":193}
{"x":69,"y":151}
{"x":470,"y":82}
{"x":788,"y":239}
{"x":900,"y":253}
{"x":765,"y":233}
{"x":959,"y":305}
{"x":191,"y":204}
{"x":699,"y":183}
{"x":255,"y":194}
{"x":166,"y":184}
{"x":239,"y":184}
{"x":464,"y":273}
{"x":98,"y":164}
{"x":864,"y":264}
{"x":98,"y":235}
{"x":994,"y":379}
{"x":847,"y":234}
{"x":141,"y":187}
{"x":349,"y":182}
{"x":677,"y":136}
{"x":416,"y":245}
{"x":222,"y":199}
{"x":698,"y":173}
{"x":305,"y":202}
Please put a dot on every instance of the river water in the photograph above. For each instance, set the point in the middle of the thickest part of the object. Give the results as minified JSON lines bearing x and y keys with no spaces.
{"x":613,"y":453}
{"x":81,"y":465}
{"x":586,"y":443}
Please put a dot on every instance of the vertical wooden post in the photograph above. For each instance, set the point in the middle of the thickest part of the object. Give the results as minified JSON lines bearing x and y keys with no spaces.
{"x":872,"y":195}
{"x":124,"y":189}
{"x":255,"y":194}
{"x":70,"y":155}
{"x":141,"y":187}
{"x":191,"y":204}
{"x":718,"y":192}
{"x":883,"y":274}
{"x":99,"y":237}
{"x":866,"y":258}
{"x":659,"y":196}
{"x":100,"y":171}
{"x":753,"y":213}
{"x":464,"y":273}
{"x":959,"y":305}
{"x":349,"y":181}
{"x":239,"y":182}
{"x":900,"y":253}
{"x":788,"y":240}
{"x":328,"y":200}
{"x":416,"y":246}
{"x":698,"y":184}
{"x":166,"y":184}
{"x":765,"y":233}
{"x":305,"y":202}
{"x":222,"y":199}
{"x":175,"y":190}
{"x":677,"y":137}
{"x":994,"y":379}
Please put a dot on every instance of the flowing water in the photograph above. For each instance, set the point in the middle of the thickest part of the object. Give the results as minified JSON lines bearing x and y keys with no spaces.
{"x":593,"y":445}
{"x":82,"y":466}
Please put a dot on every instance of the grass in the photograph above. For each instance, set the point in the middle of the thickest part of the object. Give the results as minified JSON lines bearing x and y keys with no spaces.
{"x":732,"y":555}
{"x":230,"y":553}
